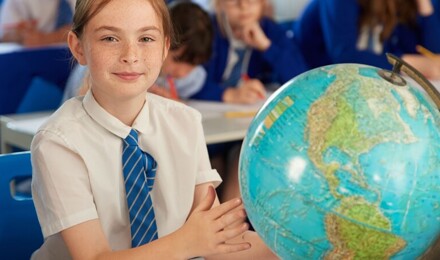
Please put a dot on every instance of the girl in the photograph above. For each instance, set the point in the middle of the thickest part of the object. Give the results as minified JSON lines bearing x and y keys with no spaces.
{"x":363,"y":31}
{"x":98,"y":195}
{"x":248,"y":50}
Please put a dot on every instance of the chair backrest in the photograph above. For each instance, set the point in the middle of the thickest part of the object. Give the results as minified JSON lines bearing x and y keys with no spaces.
{"x":20,"y":69}
{"x":20,"y":232}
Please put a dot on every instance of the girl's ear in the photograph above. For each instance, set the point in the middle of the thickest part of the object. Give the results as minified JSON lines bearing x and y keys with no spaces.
{"x":76,"y":48}
{"x":166,"y":48}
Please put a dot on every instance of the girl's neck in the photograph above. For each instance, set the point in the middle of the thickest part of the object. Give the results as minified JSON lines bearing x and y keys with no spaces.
{"x":126,"y":110}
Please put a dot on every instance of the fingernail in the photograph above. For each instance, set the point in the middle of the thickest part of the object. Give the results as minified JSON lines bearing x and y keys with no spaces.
{"x":245,"y":226}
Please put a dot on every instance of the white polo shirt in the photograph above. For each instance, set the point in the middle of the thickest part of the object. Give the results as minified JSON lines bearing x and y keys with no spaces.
{"x":45,"y":12}
{"x":77,"y":169}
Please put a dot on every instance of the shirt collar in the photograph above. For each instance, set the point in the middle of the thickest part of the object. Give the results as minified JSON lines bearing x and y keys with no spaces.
{"x":111,"y":123}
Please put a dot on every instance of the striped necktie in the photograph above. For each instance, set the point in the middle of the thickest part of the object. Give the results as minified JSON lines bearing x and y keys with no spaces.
{"x":139,"y":171}
{"x":235,"y":75}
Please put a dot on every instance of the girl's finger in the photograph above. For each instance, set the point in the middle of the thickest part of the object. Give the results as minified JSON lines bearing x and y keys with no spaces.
{"x":224,"y":208}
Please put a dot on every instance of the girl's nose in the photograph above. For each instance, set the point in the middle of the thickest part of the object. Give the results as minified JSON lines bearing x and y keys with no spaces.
{"x":130,"y":54}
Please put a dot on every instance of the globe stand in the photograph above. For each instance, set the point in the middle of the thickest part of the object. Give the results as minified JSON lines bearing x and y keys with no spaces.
{"x":401,"y":66}
{"x":393,"y":77}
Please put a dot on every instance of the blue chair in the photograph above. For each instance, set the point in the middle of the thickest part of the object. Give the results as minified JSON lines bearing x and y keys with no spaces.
{"x":33,"y":79}
{"x":20,"y":232}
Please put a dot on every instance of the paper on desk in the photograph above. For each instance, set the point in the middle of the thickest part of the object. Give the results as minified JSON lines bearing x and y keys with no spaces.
{"x":29,"y":126}
{"x":435,"y":83}
{"x":211,"y":109}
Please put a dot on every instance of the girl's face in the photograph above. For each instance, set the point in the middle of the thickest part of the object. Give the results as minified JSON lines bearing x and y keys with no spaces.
{"x":240,"y":13}
{"x":124,"y":48}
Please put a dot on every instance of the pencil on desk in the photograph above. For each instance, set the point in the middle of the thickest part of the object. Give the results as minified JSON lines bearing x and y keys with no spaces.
{"x":425,"y":52}
{"x":239,"y":114}
{"x":173,"y":90}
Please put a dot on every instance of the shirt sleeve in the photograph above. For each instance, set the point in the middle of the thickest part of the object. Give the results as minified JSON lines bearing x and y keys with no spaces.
{"x":205,"y":172}
{"x":60,"y":185}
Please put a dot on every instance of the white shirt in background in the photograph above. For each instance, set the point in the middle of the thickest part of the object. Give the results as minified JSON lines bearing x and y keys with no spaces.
{"x":43,"y":11}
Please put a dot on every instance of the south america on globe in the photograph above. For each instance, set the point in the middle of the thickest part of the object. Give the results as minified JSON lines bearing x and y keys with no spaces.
{"x":340,"y":163}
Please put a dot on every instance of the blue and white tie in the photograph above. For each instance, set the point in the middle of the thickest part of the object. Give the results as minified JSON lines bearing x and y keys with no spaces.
{"x":139,"y":171}
{"x":64,"y":15}
{"x":235,"y":75}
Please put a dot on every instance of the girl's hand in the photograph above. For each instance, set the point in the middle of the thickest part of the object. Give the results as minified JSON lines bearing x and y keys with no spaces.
{"x":161,"y":91}
{"x":34,"y":38}
{"x":249,"y":92}
{"x":255,"y":37}
{"x":207,"y":229}
{"x":429,"y":67}
{"x":425,"y":7}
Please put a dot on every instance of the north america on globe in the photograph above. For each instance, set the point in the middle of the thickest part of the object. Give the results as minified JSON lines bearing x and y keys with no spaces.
{"x":342,"y":164}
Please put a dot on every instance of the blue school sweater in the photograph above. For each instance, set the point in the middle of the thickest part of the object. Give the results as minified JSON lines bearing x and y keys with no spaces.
{"x":327,"y":32}
{"x":280,"y":62}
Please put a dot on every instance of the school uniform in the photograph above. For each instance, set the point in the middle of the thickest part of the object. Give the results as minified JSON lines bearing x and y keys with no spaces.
{"x":327,"y":32}
{"x":279,"y":63}
{"x":76,"y":158}
{"x":45,"y":12}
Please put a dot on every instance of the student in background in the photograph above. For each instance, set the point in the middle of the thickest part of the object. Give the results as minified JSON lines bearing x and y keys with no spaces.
{"x":193,"y":47}
{"x":36,"y":22}
{"x":248,"y":51}
{"x":363,"y":31}
{"x":91,"y":179}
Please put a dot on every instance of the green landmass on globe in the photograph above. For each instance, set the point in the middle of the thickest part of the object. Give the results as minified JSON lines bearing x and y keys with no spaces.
{"x":342,"y":164}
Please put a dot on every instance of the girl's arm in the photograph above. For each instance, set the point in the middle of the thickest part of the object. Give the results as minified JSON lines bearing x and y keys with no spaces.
{"x":430,"y":68}
{"x":250,"y":91}
{"x":204,"y":233}
{"x":425,"y":7}
{"x":35,"y":38}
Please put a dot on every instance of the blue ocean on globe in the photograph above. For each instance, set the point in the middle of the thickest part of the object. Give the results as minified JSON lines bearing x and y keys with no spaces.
{"x":342,"y":164}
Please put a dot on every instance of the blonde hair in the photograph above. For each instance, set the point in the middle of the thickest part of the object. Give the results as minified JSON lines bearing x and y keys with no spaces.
{"x":87,"y":9}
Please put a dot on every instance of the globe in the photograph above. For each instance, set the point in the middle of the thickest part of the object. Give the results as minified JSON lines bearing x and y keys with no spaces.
{"x":340,"y":163}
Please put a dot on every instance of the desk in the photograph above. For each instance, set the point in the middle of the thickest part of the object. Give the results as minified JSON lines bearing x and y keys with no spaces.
{"x":18,"y":130}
